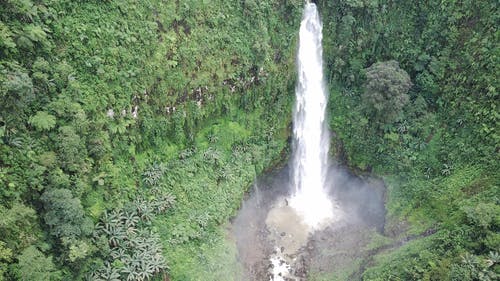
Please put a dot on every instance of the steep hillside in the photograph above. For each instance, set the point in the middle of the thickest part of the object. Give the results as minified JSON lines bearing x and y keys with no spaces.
{"x":436,"y":143}
{"x":129,"y":131}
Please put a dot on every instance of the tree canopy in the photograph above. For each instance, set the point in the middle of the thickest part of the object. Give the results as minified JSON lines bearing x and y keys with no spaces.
{"x":386,"y":91}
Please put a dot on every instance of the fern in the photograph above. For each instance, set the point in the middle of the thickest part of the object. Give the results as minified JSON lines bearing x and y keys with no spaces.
{"x":43,"y":121}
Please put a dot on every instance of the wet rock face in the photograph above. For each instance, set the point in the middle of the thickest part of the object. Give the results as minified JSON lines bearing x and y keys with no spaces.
{"x":274,"y":244}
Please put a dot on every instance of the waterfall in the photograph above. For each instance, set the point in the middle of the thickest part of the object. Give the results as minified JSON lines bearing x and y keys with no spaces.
{"x":311,"y":139}
{"x":309,"y":208}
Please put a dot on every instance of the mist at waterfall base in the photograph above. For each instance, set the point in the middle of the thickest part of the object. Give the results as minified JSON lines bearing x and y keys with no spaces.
{"x":331,"y":248}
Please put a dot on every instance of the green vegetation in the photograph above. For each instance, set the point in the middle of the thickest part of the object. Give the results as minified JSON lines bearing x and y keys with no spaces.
{"x":130,"y":130}
{"x":385,"y":92}
{"x":438,"y":146}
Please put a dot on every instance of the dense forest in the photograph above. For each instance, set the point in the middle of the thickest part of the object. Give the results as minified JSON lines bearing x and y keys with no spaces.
{"x":434,"y":139}
{"x":131,"y":130}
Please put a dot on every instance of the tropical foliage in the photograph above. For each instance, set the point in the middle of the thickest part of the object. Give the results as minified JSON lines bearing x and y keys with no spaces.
{"x":414,"y":98}
{"x":130,"y":130}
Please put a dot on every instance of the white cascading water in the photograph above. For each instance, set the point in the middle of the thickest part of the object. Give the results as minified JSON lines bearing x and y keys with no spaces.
{"x":310,"y":201}
{"x":311,"y":138}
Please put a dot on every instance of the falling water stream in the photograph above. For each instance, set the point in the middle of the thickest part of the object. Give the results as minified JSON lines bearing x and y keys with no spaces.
{"x":311,"y":138}
{"x":309,"y":208}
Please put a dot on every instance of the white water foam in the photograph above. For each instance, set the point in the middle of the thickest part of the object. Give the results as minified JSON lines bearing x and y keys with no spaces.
{"x":280,"y":269}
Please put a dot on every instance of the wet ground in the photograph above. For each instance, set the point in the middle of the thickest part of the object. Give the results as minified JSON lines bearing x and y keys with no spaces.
{"x":274,"y":244}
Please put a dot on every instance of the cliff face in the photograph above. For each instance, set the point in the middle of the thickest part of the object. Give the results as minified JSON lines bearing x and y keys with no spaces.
{"x":447,"y":49}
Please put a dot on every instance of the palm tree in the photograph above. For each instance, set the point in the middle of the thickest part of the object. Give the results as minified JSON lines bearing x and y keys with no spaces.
{"x":130,"y":219}
{"x":109,"y":273}
{"x":470,"y":261}
{"x":145,"y":212}
{"x":446,"y":171}
{"x":120,"y":254}
{"x":116,"y":235}
{"x":186,"y":153}
{"x":145,"y":270}
{"x":110,"y":220}
{"x":155,"y":242}
{"x":153,"y":174}
{"x":493,"y":258}
{"x":157,"y":263}
{"x":163,"y":202}
{"x":130,"y":271}
{"x":93,"y":276}
{"x":403,"y":127}
{"x":212,"y":138}
{"x":225,"y":175}
{"x":212,"y":155}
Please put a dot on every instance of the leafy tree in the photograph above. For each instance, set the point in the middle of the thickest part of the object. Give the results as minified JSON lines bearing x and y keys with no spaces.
{"x":98,"y":144}
{"x":72,"y":151}
{"x":153,"y":174}
{"x":386,"y":89}
{"x":78,"y":250}
{"x":64,"y":214}
{"x":5,"y":258}
{"x":483,"y":215}
{"x":18,"y":226}
{"x":33,"y":265}
{"x":6,"y":41}
{"x":475,"y":268}
{"x":16,"y":89}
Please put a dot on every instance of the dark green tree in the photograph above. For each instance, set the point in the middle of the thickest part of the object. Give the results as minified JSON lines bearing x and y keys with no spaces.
{"x":64,"y":214}
{"x":72,"y":151}
{"x":5,"y":259}
{"x":16,"y":90}
{"x":18,"y":226}
{"x":385,"y":91}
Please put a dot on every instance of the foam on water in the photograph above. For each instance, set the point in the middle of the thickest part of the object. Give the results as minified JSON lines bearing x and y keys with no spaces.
{"x":280,"y":269}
